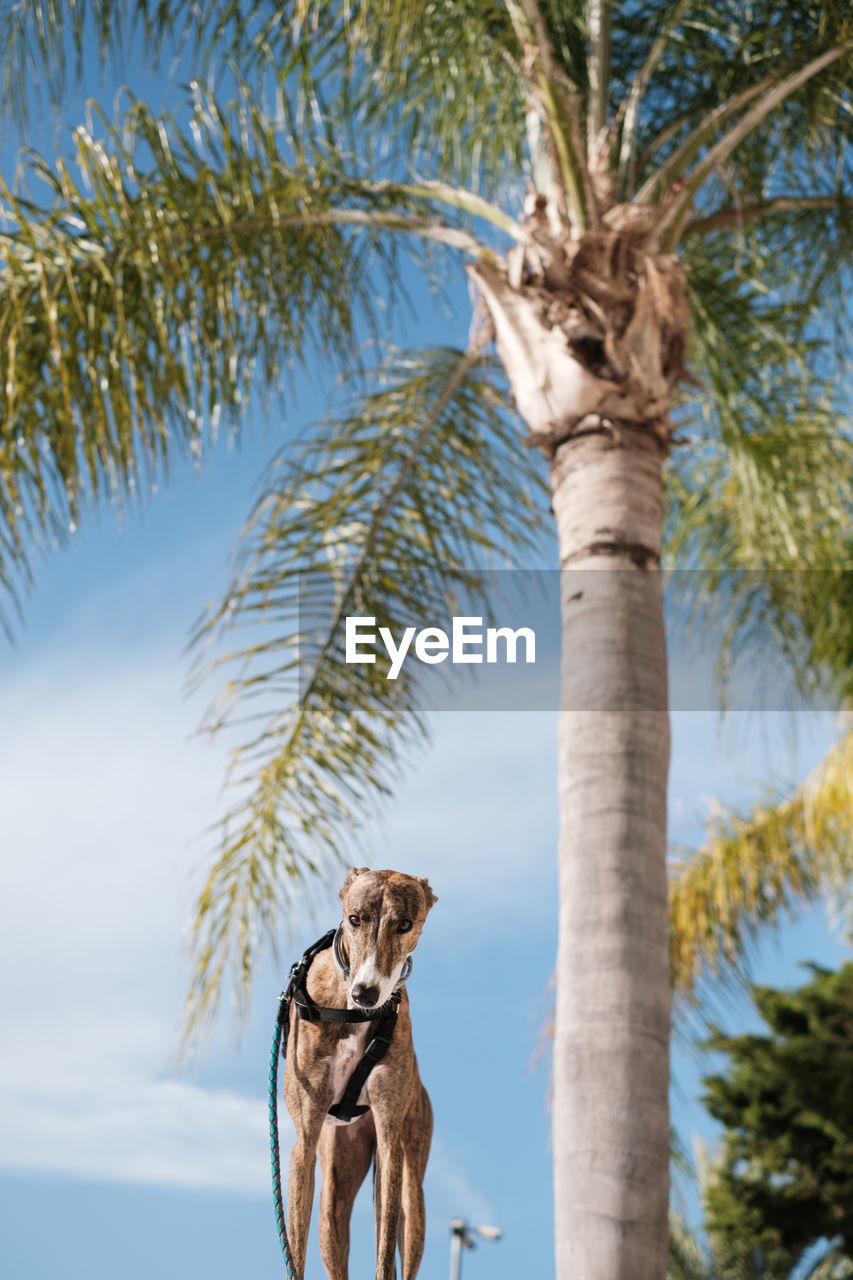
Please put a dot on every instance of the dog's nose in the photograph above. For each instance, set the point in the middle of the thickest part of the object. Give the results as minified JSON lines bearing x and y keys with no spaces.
{"x":365,"y":996}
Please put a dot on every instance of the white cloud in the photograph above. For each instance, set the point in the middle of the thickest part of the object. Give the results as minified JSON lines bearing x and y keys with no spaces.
{"x":88,"y":1101}
{"x":103,"y":792}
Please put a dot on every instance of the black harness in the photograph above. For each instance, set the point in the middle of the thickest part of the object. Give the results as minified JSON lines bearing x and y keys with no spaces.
{"x":309,"y":1011}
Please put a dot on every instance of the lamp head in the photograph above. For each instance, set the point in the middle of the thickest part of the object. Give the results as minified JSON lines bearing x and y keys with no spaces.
{"x":490,"y":1233}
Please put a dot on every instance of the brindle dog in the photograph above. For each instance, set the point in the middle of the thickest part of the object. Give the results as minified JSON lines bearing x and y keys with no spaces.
{"x":383,"y":914}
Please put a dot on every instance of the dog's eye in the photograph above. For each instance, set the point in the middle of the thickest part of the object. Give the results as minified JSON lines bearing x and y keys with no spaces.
{"x":404,"y":926}
{"x":354,"y":921}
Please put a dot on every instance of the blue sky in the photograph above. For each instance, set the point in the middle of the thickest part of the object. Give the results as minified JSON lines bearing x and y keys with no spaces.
{"x":110,"y":1161}
{"x":106,"y":791}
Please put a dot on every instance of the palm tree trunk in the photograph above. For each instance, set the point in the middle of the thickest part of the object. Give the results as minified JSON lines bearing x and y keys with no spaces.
{"x":611,"y":1047}
{"x":593,"y":388}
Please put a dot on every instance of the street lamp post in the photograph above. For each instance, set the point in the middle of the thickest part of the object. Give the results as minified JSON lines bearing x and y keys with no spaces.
{"x":462,"y":1236}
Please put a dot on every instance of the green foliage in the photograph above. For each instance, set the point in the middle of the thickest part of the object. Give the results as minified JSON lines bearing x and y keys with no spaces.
{"x":384,"y":510}
{"x":774,"y":495}
{"x":136,"y":307}
{"x":693,"y":1258}
{"x":755,"y":870}
{"x":758,"y":492}
{"x":42,"y":41}
{"x":786,"y":1179}
{"x":697,"y":1254}
{"x":439,"y":80}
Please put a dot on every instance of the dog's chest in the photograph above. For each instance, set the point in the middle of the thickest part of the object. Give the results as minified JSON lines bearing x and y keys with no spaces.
{"x":346,"y":1057}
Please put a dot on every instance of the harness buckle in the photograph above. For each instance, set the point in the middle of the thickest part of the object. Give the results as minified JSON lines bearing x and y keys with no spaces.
{"x":378,"y":1047}
{"x":292,"y":978}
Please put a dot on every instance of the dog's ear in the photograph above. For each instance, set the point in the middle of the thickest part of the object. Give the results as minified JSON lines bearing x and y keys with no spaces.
{"x":431,"y":899}
{"x":351,"y":875}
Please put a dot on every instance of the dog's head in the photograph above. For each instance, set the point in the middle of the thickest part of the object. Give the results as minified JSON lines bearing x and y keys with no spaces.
{"x":384,"y":912}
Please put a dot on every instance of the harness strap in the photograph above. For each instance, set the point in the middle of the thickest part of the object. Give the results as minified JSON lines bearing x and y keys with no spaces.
{"x":310,"y":1011}
{"x":347,"y":1109}
{"x":298,"y":973}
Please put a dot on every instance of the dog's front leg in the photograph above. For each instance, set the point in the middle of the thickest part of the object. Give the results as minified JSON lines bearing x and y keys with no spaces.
{"x":389,"y":1181}
{"x":300,"y":1192}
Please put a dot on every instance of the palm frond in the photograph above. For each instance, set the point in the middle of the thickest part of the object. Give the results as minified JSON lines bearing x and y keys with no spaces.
{"x":754,"y":870}
{"x":711,"y":67}
{"x":766,"y":376}
{"x":628,"y":112}
{"x":772,"y":97}
{"x":150,"y":281}
{"x":830,"y":1263}
{"x":439,"y":83}
{"x":682,"y":158}
{"x":734,"y":217}
{"x":423,"y":471}
{"x":599,"y":24}
{"x":691,"y":1257}
{"x":759,"y":501}
{"x":42,"y":42}
{"x":555,"y":100}
{"x":688,"y":1258}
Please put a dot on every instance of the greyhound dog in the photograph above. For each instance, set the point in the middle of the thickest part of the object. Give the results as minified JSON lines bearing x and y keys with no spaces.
{"x":383,"y":914}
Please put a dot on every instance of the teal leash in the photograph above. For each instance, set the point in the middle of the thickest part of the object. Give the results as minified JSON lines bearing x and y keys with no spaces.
{"x":275,"y":1158}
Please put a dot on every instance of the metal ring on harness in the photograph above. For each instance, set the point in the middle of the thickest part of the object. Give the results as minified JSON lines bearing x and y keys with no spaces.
{"x":338,"y":955}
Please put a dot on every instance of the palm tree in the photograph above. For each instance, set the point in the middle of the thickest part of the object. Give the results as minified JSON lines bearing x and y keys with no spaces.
{"x":652,"y":202}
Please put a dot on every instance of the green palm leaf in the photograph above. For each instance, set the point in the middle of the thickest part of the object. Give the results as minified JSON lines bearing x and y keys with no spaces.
{"x":135,"y":308}
{"x":753,"y":871}
{"x":42,"y":42}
